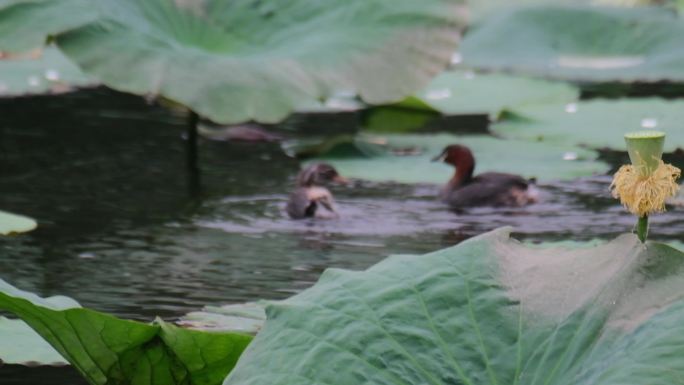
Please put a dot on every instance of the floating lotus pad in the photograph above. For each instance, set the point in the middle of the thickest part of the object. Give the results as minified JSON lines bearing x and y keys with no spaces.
{"x":40,"y":72}
{"x":489,"y":310}
{"x":406,"y":159}
{"x":459,"y":92}
{"x":13,"y":223}
{"x":595,"y":123}
{"x":465,"y":93}
{"x":234,"y":61}
{"x":580,"y":43}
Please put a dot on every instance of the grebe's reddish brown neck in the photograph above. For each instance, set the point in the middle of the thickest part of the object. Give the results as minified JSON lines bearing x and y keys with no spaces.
{"x":462,"y":159}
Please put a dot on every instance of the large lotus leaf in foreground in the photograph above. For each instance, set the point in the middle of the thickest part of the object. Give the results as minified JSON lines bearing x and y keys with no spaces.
{"x":581,"y":43}
{"x":595,"y":123}
{"x":480,"y":9}
{"x":19,"y":344}
{"x":406,"y":158}
{"x":488,"y":311}
{"x":233,"y":61}
{"x":39,"y":72}
{"x":108,"y":350}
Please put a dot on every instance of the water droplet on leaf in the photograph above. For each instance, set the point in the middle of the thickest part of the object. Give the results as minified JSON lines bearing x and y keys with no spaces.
{"x":33,"y":81}
{"x":52,"y":75}
{"x":438,"y":94}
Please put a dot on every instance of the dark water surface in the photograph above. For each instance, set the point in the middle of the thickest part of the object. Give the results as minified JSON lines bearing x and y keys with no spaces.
{"x":123,"y":229}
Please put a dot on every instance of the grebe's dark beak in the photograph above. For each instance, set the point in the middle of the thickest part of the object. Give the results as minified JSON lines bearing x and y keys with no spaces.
{"x":340,"y":180}
{"x":439,"y":158}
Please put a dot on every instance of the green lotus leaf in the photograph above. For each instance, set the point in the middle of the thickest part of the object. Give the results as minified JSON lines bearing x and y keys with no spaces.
{"x":482,"y":8}
{"x":488,"y":311}
{"x":468,"y":93}
{"x":39,"y":72}
{"x":13,"y":223}
{"x":595,"y":123}
{"x":407,"y":159}
{"x":410,"y":115}
{"x":19,"y":344}
{"x":26,"y":24}
{"x":338,"y":146}
{"x":679,"y":5}
{"x":108,"y":350}
{"x":233,"y":61}
{"x":591,"y":44}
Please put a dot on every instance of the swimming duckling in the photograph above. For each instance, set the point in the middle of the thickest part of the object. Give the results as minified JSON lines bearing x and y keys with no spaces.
{"x":310,"y":193}
{"x":488,"y":189}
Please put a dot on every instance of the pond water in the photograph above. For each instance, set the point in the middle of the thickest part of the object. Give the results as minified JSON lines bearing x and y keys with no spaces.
{"x":124,"y":229}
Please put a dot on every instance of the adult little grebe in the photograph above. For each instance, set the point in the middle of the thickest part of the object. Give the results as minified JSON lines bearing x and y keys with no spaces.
{"x":488,"y":189}
{"x":304,"y":200}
